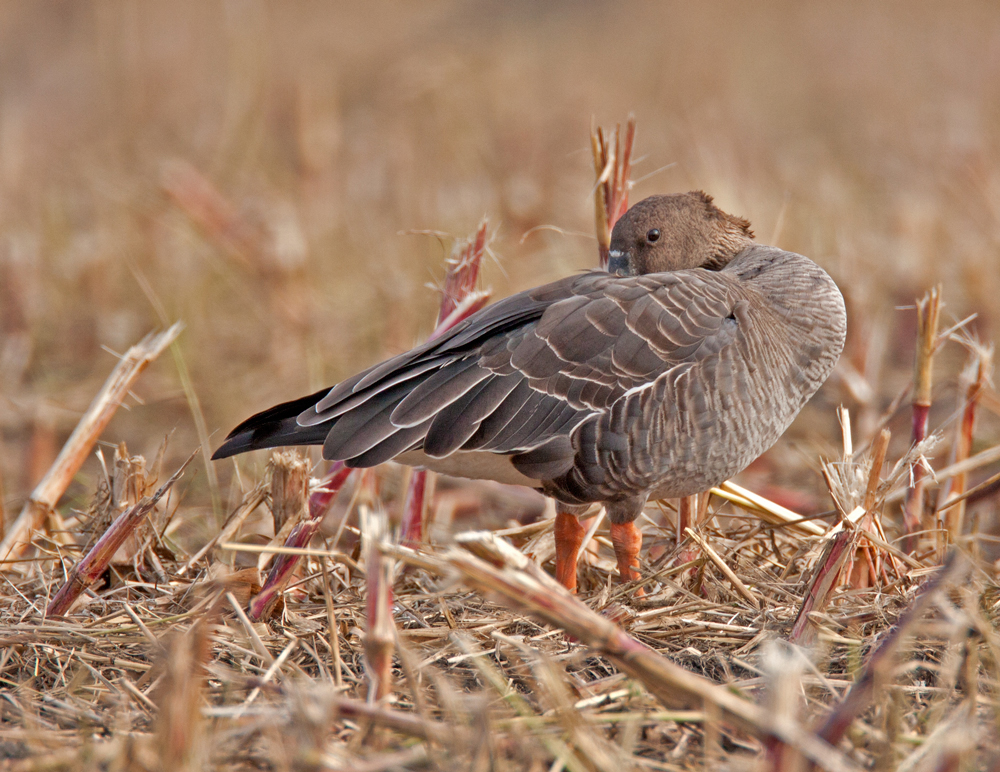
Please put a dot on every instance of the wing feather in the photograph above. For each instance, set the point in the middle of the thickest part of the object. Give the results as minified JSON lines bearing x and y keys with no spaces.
{"x":437,"y":391}
{"x":525,"y":376}
{"x":497,"y":421}
{"x":457,"y":422}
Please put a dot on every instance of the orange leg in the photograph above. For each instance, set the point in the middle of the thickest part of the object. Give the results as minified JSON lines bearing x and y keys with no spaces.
{"x":569,"y":536}
{"x":627,"y":539}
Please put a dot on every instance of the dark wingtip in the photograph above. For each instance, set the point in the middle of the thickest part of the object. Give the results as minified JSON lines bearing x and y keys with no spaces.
{"x":271,"y":434}
{"x":235,"y":443}
{"x":275,"y":427}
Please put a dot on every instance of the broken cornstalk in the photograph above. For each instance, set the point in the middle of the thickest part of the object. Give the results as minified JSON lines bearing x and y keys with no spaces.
{"x":459,"y":300}
{"x":96,"y":562}
{"x":284,"y":565}
{"x":928,"y":311}
{"x":842,"y":548}
{"x":613,"y":165}
{"x":973,"y":380}
{"x":48,"y":492}
{"x":380,"y":630}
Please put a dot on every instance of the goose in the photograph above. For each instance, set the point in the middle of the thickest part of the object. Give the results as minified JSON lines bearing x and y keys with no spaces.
{"x":661,"y":377}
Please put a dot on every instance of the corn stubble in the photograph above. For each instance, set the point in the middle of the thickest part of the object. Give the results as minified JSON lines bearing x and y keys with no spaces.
{"x":472,"y":656}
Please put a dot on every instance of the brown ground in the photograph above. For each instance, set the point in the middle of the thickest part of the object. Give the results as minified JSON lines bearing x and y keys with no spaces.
{"x":285,"y":179}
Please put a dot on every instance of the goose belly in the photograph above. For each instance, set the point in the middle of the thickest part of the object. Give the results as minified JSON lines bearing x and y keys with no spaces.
{"x":474,"y":464}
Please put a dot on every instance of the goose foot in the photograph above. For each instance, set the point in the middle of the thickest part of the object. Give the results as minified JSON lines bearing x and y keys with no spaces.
{"x":627,"y":539}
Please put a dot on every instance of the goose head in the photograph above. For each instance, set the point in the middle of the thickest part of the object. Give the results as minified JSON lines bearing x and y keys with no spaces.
{"x":671,"y":233}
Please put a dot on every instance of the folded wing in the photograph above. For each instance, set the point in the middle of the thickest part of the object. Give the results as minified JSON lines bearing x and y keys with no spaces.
{"x":516,"y":379}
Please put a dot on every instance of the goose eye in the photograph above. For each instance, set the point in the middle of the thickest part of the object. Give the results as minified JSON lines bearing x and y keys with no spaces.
{"x":653,"y":235}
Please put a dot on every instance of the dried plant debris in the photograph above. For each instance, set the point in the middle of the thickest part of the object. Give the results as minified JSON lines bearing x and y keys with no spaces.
{"x":450,"y":659}
{"x":248,"y":171}
{"x":388,"y":635}
{"x":765,"y":637}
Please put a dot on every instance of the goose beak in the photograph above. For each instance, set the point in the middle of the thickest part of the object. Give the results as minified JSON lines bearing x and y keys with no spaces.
{"x":618,"y":262}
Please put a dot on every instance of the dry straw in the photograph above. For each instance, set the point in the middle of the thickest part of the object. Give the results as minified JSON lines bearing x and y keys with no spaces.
{"x":474,"y":658}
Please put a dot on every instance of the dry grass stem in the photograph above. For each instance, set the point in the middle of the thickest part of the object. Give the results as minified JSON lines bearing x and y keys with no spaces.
{"x":251,"y":500}
{"x":767,"y":510}
{"x":304,"y":513}
{"x":712,"y":555}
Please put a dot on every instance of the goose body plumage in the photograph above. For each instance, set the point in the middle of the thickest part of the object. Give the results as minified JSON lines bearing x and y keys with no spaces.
{"x":661,"y":379}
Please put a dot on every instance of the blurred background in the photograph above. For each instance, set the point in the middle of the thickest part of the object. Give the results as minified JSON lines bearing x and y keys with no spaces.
{"x":286,"y":179}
